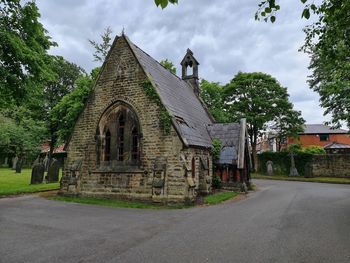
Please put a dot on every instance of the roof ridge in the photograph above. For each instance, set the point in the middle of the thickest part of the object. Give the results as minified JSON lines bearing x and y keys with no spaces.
{"x":155,"y":60}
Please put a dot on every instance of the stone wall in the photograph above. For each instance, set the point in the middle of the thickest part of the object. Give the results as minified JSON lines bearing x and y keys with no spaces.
{"x":120,"y":80}
{"x":331,"y":165}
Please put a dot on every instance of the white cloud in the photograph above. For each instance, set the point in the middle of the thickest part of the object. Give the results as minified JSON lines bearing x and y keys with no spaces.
{"x":223,"y":35}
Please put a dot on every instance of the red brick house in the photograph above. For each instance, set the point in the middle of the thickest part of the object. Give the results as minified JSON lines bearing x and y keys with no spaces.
{"x":320,"y":135}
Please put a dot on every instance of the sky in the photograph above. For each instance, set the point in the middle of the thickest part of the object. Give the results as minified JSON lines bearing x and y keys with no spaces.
{"x":223,"y":35}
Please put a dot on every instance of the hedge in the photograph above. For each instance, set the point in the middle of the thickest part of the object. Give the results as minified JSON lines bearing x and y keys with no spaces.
{"x":282,"y":161}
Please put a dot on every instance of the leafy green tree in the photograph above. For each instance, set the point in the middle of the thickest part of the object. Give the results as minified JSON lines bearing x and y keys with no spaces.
{"x":168,"y":65}
{"x":20,"y":138}
{"x":212,"y":95}
{"x":288,"y":123}
{"x":66,"y":74}
{"x":328,"y":44}
{"x":259,"y":98}
{"x":23,"y":51}
{"x":65,"y":113}
{"x":101,"y":49}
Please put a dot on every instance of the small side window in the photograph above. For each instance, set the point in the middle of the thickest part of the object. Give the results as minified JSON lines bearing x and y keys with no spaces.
{"x":324,"y":137}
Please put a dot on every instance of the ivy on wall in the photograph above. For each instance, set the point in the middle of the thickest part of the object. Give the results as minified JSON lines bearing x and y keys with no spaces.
{"x":165,"y":117}
{"x":216,"y":150}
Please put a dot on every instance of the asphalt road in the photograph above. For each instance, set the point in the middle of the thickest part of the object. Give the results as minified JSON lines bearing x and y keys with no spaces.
{"x":281,"y":222}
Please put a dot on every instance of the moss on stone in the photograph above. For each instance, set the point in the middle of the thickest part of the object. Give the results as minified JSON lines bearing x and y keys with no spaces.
{"x":165,"y":117}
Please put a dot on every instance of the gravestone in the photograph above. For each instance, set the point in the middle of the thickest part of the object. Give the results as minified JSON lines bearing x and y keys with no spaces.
{"x":36,"y":161}
{"x":53,"y":172}
{"x":5,"y":164}
{"x":14,"y":162}
{"x":37,"y":174}
{"x":269,"y":167}
{"x":46,"y":163}
{"x":293,"y":170}
{"x":18,"y":166}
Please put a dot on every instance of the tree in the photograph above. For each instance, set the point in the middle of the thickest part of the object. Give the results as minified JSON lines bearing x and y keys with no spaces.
{"x":259,"y":98}
{"x":286,"y":124}
{"x":212,"y":95}
{"x":23,"y":51}
{"x":65,"y":113}
{"x":20,"y":138}
{"x":168,"y":65}
{"x":101,"y":49}
{"x":66,"y":74}
{"x":328,"y":44}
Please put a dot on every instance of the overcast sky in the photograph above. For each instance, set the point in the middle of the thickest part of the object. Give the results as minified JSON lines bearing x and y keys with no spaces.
{"x":222,"y":34}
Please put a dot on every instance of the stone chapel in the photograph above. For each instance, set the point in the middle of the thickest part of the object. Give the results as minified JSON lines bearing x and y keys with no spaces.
{"x":145,"y":133}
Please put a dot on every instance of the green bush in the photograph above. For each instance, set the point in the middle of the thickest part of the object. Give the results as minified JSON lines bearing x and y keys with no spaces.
{"x":294,"y":148}
{"x":282,"y":161}
{"x":314,"y":149}
{"x":216,"y":182}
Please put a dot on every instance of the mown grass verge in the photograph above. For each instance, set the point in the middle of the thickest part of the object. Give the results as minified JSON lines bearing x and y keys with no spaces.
{"x":12,"y":183}
{"x":219,"y":197}
{"x":330,"y":180}
{"x":115,"y":203}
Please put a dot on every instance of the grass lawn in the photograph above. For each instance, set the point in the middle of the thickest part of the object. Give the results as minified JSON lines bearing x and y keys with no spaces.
{"x":330,"y":180}
{"x":219,"y":197}
{"x":114,"y":202}
{"x":13,"y":184}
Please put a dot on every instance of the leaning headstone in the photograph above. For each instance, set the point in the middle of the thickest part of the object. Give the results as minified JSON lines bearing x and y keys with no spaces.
{"x":14,"y":162}
{"x":269,"y":167}
{"x":36,"y":161}
{"x":53,"y":172}
{"x":293,"y":170}
{"x":19,"y":166}
{"x":37,"y":174}
{"x":46,"y":163}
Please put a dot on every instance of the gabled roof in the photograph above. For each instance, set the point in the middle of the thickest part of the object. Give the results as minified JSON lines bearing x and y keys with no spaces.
{"x":230,"y":136}
{"x":335,"y":145}
{"x":227,"y":133}
{"x":189,"y":115}
{"x":321,"y":129}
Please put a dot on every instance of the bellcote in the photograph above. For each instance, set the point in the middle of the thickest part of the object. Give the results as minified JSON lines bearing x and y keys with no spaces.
{"x":190,"y":70}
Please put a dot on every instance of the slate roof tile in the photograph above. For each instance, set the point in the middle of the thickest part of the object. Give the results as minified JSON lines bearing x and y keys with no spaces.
{"x":179,"y":99}
{"x":320,"y":129}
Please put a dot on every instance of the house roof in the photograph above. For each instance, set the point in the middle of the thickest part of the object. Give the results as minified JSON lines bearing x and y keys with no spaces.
{"x":320,"y":129}
{"x":227,"y":133}
{"x":229,"y":136}
{"x":189,"y":113}
{"x":335,"y":145}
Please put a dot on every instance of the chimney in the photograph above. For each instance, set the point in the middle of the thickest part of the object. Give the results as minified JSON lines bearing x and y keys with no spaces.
{"x":190,"y":71}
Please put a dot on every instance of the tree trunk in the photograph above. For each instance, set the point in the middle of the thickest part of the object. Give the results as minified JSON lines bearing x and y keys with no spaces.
{"x":255,"y":157}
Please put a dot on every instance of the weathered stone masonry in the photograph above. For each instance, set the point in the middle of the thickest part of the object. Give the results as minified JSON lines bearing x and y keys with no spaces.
{"x":164,"y":170}
{"x":330,"y":165}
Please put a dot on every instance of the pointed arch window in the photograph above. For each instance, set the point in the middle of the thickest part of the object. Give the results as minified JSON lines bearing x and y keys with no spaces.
{"x":107,"y":154}
{"x":120,"y":144}
{"x":135,"y":144}
{"x":120,"y":141}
